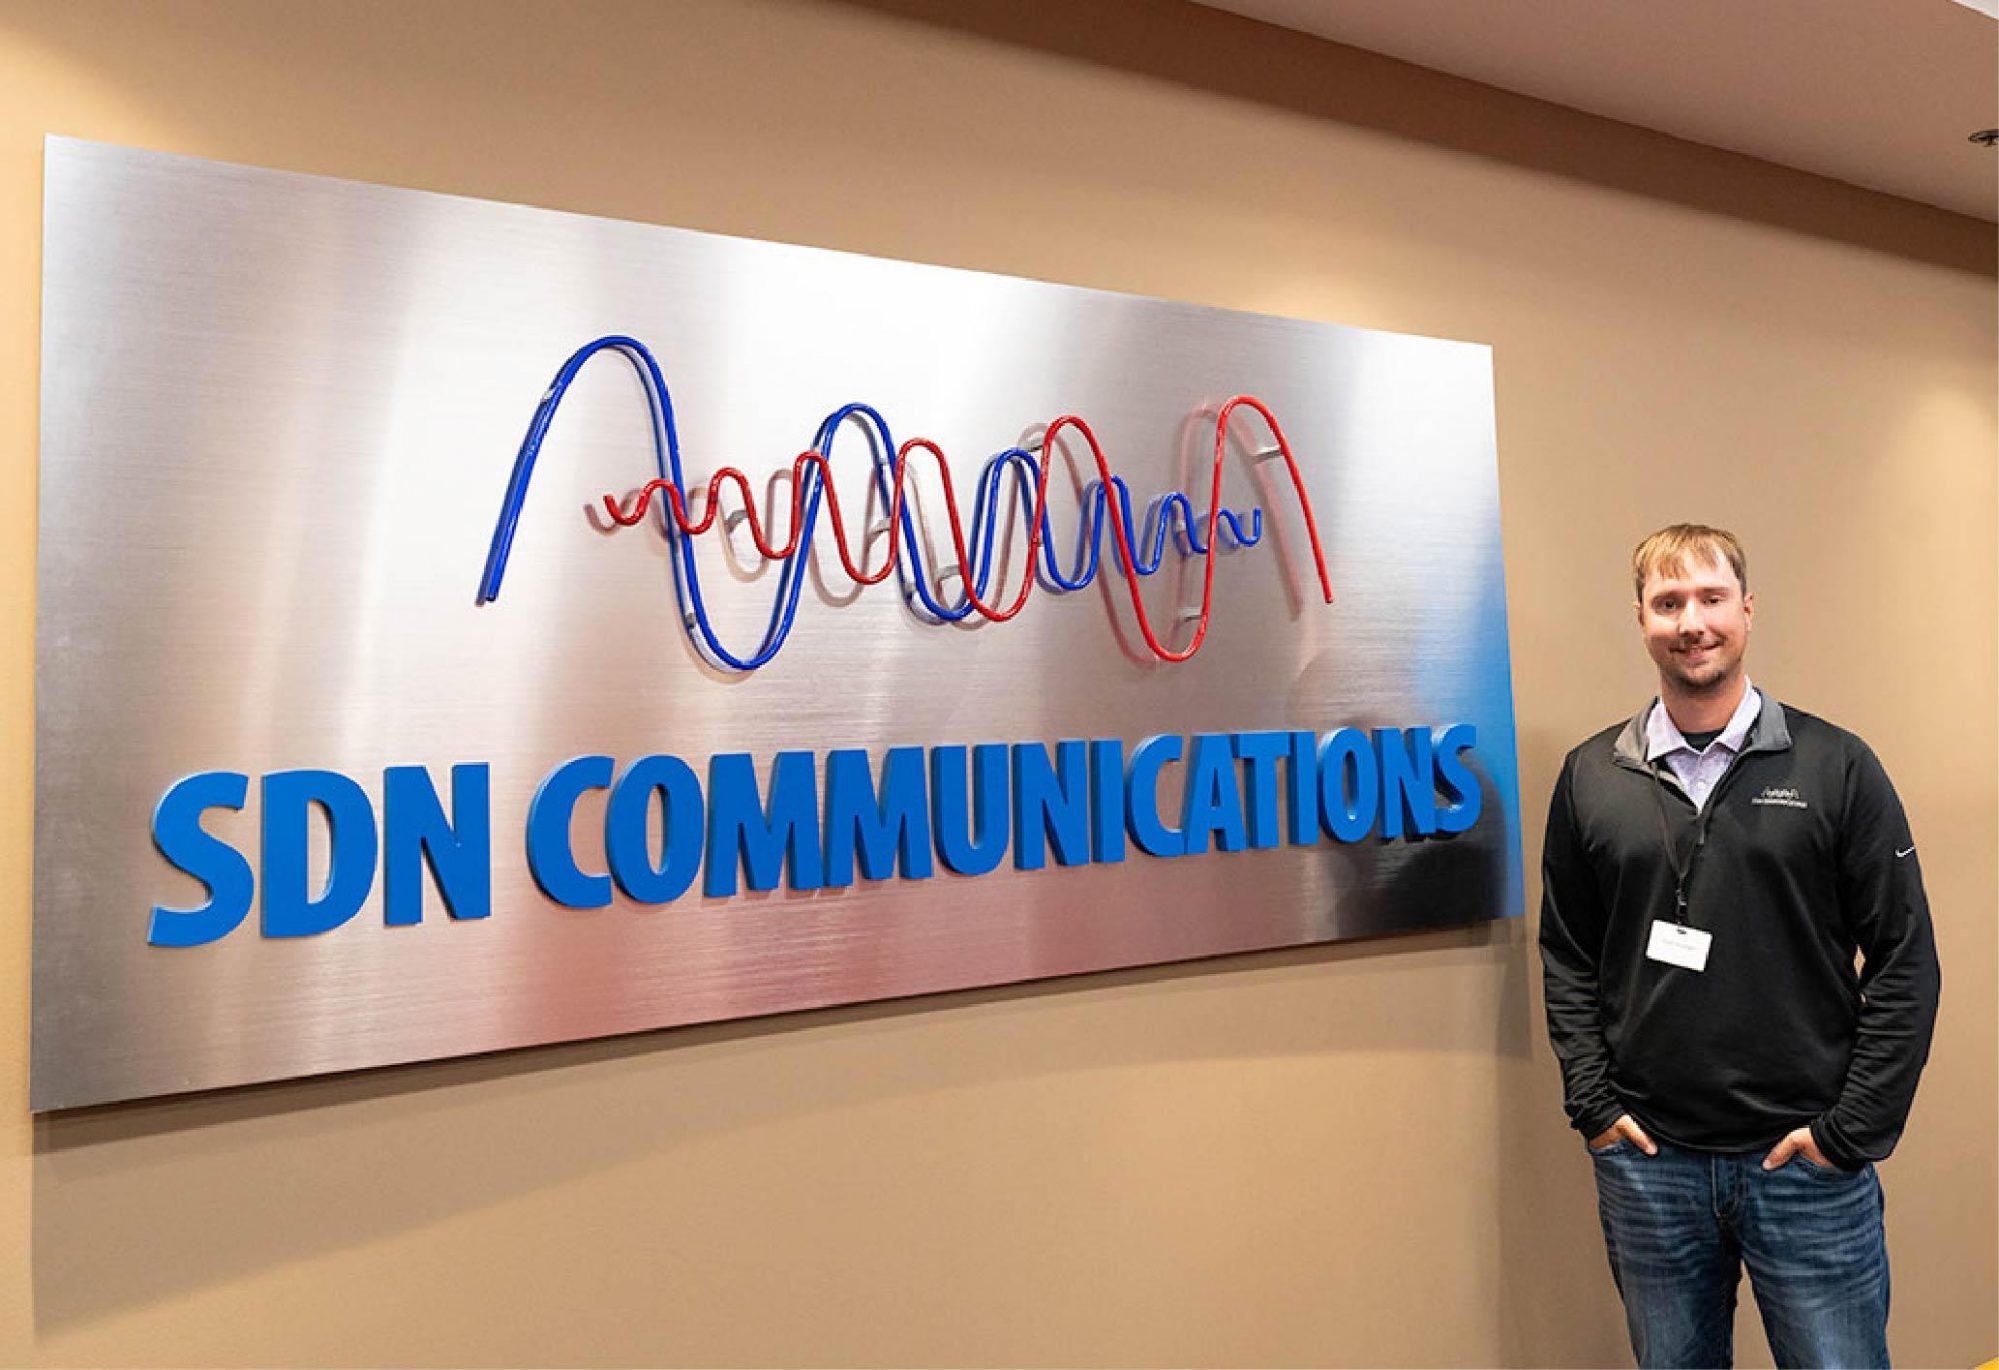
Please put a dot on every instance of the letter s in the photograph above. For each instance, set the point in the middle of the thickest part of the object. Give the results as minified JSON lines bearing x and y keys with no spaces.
{"x":1452,"y":770}
{"x":178,"y":833}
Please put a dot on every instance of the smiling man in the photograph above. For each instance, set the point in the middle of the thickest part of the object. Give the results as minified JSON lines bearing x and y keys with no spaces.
{"x":1712,"y":869}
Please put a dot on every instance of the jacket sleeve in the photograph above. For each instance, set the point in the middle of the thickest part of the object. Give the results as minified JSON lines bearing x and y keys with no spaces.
{"x":1572,"y":927}
{"x":1882,"y":902}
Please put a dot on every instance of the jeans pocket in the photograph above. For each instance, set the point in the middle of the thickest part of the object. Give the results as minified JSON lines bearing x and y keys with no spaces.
{"x":1621,"y":1145}
{"x":1830,"y":1173}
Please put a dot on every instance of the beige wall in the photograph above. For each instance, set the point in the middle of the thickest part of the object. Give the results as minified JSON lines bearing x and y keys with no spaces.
{"x":1348,"y":1155}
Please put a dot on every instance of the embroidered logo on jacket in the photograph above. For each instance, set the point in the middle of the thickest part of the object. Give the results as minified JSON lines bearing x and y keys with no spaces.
{"x":1786,"y":798}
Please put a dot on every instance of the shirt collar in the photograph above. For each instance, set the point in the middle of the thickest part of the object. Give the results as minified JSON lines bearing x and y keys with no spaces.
{"x":1662,"y":737}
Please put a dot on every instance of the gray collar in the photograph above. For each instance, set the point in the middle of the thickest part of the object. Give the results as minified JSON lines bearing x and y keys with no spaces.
{"x":1663,"y":737}
{"x":1769,"y":733}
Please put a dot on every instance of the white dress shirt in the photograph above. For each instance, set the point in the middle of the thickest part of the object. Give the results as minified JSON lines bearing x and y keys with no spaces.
{"x":1698,"y":771}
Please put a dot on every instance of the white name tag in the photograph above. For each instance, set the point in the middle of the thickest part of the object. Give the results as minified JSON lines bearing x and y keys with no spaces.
{"x":1679,"y":946}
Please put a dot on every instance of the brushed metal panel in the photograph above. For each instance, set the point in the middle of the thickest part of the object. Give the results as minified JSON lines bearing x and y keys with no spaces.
{"x":278,"y":413}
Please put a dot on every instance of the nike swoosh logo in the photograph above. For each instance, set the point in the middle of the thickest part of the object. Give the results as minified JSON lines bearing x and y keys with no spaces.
{"x":1900,"y":854}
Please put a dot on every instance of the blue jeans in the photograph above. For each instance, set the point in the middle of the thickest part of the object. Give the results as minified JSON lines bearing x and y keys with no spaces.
{"x":1679,"y":1226}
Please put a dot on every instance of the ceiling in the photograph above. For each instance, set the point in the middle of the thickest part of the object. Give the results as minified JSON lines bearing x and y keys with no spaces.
{"x":1879,"y":93}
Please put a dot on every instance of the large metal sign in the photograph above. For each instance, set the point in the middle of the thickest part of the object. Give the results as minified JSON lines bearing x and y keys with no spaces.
{"x":841,"y":629}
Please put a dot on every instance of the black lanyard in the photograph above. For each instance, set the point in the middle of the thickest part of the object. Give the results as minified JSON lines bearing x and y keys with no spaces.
{"x":1683,"y":866}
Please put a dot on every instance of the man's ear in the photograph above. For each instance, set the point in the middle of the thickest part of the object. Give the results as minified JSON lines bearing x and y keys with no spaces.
{"x":1749,"y":609}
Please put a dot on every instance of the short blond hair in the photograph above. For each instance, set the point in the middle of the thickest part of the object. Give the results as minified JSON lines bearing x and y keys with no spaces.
{"x":1670,"y":548}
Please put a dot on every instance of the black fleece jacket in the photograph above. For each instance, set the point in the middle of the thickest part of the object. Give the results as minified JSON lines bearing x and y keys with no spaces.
{"x":1806,"y":859}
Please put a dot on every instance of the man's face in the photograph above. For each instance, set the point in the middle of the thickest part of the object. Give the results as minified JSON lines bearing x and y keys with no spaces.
{"x":1695,"y":618}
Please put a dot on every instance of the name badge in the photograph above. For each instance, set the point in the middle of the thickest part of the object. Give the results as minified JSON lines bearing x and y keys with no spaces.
{"x":1679,"y":946}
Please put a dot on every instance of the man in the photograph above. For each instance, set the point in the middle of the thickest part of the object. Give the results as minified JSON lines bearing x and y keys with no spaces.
{"x":1711,"y":869}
